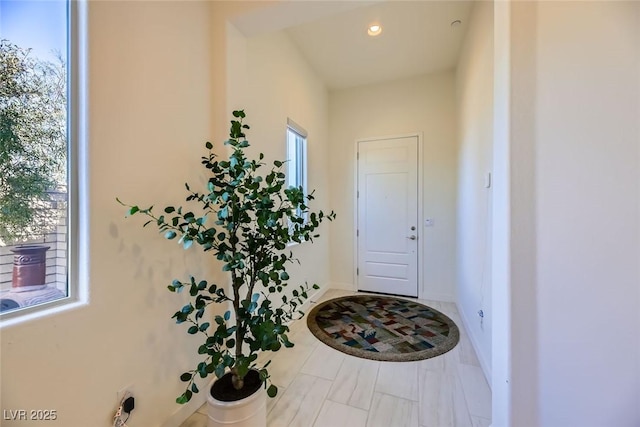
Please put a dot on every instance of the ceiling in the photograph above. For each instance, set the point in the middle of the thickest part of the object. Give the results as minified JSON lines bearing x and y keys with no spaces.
{"x":417,"y":37}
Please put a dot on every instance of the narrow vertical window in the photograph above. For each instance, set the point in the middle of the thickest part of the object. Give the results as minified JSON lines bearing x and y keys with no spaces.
{"x":296,"y":158}
{"x":36,"y":216}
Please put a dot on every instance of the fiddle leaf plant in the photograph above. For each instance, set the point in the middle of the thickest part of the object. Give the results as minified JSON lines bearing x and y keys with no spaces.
{"x":245,"y":220}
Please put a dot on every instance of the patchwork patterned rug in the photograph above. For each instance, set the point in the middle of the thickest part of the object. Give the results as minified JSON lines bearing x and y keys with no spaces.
{"x":383,"y":328}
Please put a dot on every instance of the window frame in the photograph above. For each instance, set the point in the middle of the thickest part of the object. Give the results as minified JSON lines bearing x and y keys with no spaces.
{"x":297,"y":149}
{"x":77,"y":173}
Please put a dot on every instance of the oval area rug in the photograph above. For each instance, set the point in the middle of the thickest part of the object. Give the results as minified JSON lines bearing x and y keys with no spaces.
{"x":383,"y":328}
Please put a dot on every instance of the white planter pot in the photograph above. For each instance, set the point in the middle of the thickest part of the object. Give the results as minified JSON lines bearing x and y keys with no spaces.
{"x":248,"y":412}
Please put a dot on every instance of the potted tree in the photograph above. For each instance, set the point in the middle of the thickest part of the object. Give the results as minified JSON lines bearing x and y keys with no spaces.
{"x":32,"y":158}
{"x":245,"y":220}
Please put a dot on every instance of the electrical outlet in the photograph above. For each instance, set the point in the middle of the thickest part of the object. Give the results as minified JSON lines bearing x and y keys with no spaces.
{"x":481,"y":315}
{"x":124,"y":392}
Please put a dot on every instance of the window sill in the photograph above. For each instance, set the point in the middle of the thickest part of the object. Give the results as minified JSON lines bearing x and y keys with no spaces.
{"x":292,"y":244}
{"x":25,"y":315}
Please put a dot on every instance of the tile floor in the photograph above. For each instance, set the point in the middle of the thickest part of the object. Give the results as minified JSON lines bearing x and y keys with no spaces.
{"x":321,"y":387}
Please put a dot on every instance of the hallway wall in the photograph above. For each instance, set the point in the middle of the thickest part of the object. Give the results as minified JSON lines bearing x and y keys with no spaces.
{"x":474,"y":96}
{"x":149,"y":116}
{"x":424,"y":104}
{"x":270,"y":80}
{"x":577,"y":165}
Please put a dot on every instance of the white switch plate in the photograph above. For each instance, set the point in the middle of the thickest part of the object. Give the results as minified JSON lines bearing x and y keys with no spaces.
{"x":428,"y":222}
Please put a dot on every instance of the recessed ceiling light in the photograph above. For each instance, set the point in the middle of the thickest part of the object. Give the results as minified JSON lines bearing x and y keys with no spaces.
{"x":374,"y":30}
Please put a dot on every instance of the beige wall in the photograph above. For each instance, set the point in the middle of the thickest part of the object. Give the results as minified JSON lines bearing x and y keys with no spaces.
{"x":281,"y":85}
{"x":270,"y":80}
{"x":224,"y":39}
{"x":162,"y":82}
{"x":149,"y":115}
{"x":575,"y":105}
{"x":588,"y":212}
{"x":474,"y":95}
{"x":422,"y":104}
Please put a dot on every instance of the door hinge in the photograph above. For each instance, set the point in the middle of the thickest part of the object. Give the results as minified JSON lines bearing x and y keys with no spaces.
{"x":358,"y":194}
{"x":357,"y":271}
{"x":357,"y":233}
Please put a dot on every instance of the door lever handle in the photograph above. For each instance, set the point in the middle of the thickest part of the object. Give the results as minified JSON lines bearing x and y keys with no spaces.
{"x":412,"y":237}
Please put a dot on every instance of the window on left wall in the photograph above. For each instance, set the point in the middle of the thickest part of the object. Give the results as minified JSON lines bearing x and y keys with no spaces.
{"x":39,"y":140}
{"x":297,"y":158}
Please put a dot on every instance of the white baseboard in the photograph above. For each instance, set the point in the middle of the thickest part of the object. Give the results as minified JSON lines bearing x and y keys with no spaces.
{"x":314,"y":296}
{"x":426,"y":295}
{"x":486,"y":366}
{"x":342,"y":286}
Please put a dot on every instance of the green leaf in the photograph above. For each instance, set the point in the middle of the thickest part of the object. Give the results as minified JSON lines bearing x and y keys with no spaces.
{"x":169,"y":209}
{"x":272,"y":391}
{"x":183,"y":399}
{"x":208,"y":145}
{"x":170,"y":235}
{"x":286,"y":342}
{"x":227,"y":315}
{"x":187,"y":243}
{"x":219,"y":370}
{"x":186,"y":377}
{"x":133,"y":210}
{"x":193,"y":329}
{"x":194,"y":388}
{"x":202,"y":369}
{"x":223,"y":213}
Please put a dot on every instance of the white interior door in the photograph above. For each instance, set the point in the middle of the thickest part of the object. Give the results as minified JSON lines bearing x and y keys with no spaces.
{"x":387,"y":237}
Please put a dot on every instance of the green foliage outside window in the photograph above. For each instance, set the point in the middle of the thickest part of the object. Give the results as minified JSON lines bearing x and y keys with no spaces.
{"x":33,"y":143}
